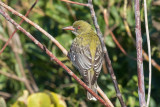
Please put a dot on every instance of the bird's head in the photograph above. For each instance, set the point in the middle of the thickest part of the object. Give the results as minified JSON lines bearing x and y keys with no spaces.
{"x":79,"y":27}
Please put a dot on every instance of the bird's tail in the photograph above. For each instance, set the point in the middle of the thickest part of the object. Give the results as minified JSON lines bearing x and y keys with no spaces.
{"x":94,"y":88}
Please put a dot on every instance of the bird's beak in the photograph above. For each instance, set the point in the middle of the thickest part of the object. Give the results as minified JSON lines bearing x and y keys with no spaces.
{"x":69,"y":28}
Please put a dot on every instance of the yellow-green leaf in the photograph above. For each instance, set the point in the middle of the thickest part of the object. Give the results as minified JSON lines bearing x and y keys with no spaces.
{"x":39,"y":100}
{"x":59,"y":102}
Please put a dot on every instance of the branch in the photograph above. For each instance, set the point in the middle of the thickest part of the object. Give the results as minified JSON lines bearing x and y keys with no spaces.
{"x":104,"y":96}
{"x":113,"y":36}
{"x":23,"y":79}
{"x":9,"y":75}
{"x":37,"y":27}
{"x":6,"y":44}
{"x":130,"y":35}
{"x":5,"y":95}
{"x":26,"y":82}
{"x":149,"y":52}
{"x":18,"y":59}
{"x":53,"y":57}
{"x":71,"y":12}
{"x":153,"y":61}
{"x":72,"y":2}
{"x":109,"y":65}
{"x":141,"y":89}
{"x":125,"y":22}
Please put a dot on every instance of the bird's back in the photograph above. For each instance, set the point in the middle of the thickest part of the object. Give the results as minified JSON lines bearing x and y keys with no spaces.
{"x":90,"y":39}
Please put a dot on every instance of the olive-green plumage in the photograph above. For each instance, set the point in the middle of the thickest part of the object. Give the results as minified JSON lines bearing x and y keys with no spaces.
{"x":86,"y":54}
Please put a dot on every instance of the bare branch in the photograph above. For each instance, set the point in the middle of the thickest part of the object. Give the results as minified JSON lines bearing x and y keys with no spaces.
{"x":53,"y":58}
{"x":13,"y":76}
{"x":72,"y":2}
{"x":26,"y":82}
{"x":27,"y":20}
{"x":104,"y":96}
{"x":141,"y":89}
{"x":153,"y":61}
{"x":6,"y":44}
{"x":37,"y":27}
{"x":130,"y":35}
{"x":71,"y":12}
{"x":114,"y":38}
{"x":109,"y":65}
{"x":5,"y":95}
{"x":125,"y":22}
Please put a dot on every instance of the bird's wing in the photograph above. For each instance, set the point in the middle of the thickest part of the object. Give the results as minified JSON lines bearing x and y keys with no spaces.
{"x":81,"y":59}
{"x":98,"y":59}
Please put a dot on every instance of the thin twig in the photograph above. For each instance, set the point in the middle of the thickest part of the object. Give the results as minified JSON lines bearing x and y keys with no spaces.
{"x":125,"y":22}
{"x":13,"y":76}
{"x":5,"y":95}
{"x":105,"y":70}
{"x":53,"y":57}
{"x":71,"y":12}
{"x":37,"y":27}
{"x":156,"y":3}
{"x":153,"y":61}
{"x":149,"y":52}
{"x":72,"y":2}
{"x":104,"y":96}
{"x":113,"y":36}
{"x":130,"y":35}
{"x":109,"y":65}
{"x":141,"y":89}
{"x":6,"y":44}
{"x":32,"y":82}
{"x":4,"y":65}
{"x":26,"y":82}
{"x":18,"y":50}
{"x":18,"y":59}
{"x":3,"y":38}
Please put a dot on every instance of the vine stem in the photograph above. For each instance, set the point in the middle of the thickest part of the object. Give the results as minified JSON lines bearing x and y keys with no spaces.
{"x":149,"y":52}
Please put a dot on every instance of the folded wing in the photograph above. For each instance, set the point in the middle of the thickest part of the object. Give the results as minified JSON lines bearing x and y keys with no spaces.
{"x":81,"y":59}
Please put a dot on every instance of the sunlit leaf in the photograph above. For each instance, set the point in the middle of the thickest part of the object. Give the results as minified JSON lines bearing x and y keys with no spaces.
{"x":39,"y":100}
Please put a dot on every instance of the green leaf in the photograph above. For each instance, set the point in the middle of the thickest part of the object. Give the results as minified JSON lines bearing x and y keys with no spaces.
{"x":65,"y":40}
{"x":132,"y":101}
{"x":39,"y":100}
{"x":57,"y":99}
{"x":109,"y":42}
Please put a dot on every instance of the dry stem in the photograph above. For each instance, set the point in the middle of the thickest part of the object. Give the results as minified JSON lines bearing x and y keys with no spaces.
{"x":37,"y":27}
{"x":149,"y":52}
{"x":141,"y":89}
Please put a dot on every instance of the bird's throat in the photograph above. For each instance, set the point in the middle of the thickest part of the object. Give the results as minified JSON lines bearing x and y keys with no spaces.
{"x":75,"y":33}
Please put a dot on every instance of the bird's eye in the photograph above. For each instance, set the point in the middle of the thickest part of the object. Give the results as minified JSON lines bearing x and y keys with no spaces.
{"x":78,"y":27}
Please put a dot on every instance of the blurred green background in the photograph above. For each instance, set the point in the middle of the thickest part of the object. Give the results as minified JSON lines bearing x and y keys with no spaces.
{"x":46,"y":76}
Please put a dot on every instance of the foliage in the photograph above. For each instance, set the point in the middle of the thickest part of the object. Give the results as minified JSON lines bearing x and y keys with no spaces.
{"x":48,"y":99}
{"x":53,"y":15}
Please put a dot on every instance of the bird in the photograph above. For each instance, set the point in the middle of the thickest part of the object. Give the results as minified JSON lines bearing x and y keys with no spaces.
{"x":86,"y":54}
